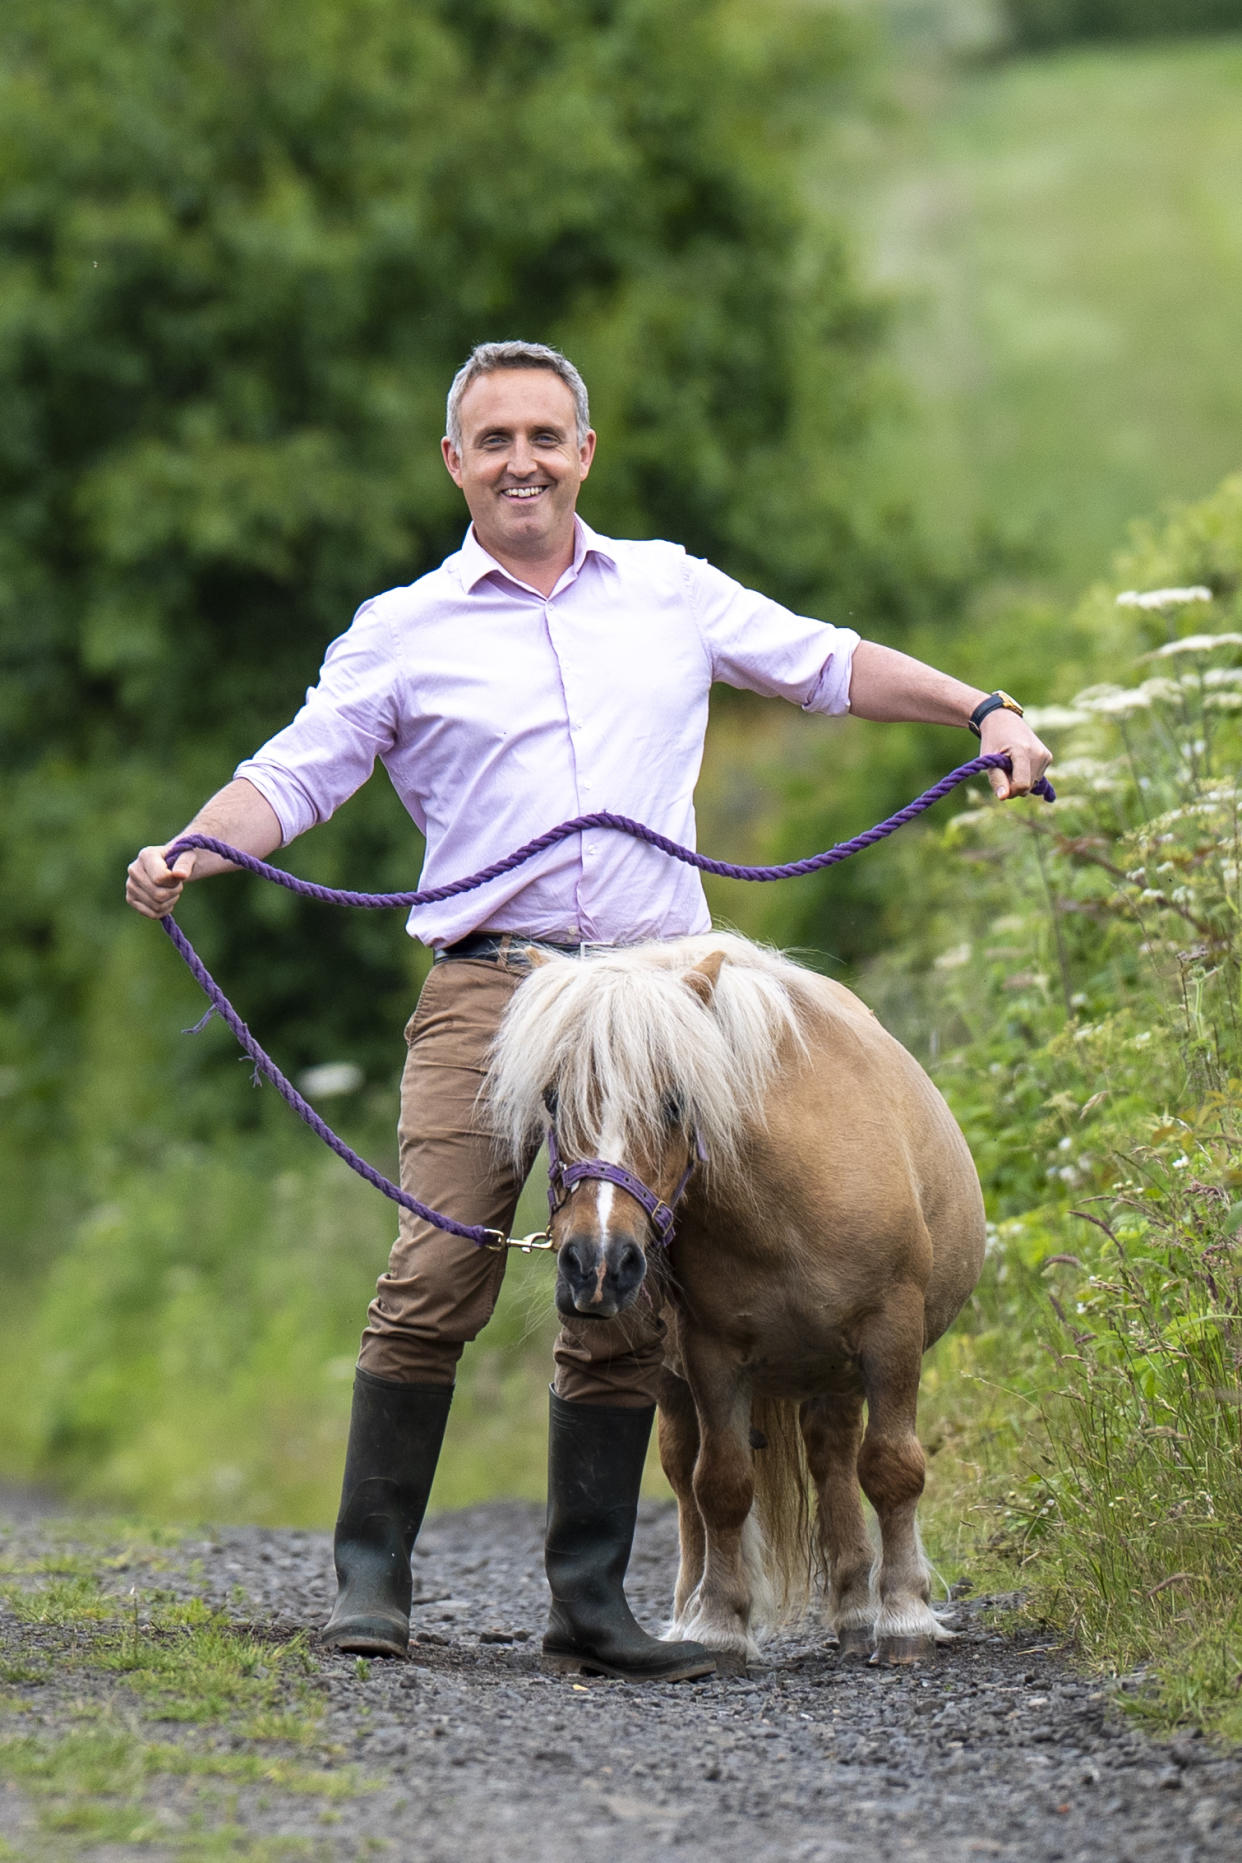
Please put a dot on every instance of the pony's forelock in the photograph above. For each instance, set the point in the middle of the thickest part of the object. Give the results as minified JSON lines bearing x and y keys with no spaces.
{"x":624,"y":1042}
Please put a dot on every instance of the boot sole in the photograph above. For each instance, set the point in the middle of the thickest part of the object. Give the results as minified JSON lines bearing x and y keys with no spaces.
{"x":560,"y":1662}
{"x":362,"y":1644}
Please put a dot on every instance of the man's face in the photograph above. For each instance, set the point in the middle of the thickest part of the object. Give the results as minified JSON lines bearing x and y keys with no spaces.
{"x":520,"y":464}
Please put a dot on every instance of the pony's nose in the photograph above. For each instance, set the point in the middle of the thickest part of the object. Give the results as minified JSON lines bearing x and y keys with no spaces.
{"x":595,"y":1279}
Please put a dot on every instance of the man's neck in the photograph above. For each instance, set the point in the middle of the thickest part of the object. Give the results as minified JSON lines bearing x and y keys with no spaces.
{"x":541,"y":572}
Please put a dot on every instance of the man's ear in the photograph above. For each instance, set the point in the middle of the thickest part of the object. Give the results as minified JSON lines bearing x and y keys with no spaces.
{"x":701,"y":977}
{"x":452,"y":460}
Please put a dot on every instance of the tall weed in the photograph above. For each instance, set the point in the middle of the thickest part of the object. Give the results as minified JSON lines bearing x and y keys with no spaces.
{"x":1079,"y":999}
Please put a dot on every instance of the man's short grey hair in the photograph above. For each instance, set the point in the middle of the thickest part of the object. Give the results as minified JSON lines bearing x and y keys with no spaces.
{"x":485,"y":358}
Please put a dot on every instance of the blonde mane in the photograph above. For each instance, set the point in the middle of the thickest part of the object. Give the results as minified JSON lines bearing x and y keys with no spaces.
{"x":628,"y":1048}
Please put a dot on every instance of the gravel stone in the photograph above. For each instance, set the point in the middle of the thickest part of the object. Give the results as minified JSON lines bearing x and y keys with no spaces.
{"x":997,"y":1748}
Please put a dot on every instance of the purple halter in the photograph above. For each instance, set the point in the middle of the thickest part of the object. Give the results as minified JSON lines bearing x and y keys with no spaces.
{"x":562,"y":1178}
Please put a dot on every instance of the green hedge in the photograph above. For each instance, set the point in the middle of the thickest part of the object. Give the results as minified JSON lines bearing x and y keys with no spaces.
{"x":1038,"y":23}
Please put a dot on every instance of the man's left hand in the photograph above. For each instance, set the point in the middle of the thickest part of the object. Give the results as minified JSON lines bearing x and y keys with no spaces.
{"x":1005,"y":732}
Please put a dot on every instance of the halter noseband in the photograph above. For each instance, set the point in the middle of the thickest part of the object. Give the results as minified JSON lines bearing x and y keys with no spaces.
{"x":562,"y":1178}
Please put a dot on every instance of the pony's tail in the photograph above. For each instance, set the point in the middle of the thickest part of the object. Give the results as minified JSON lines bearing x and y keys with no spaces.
{"x":794,"y":1569}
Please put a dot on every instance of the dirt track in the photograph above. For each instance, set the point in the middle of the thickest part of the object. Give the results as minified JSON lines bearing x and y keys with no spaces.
{"x":996,"y":1750}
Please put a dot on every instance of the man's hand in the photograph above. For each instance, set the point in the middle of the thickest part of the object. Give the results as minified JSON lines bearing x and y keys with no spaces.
{"x":237,"y":814}
{"x":152,"y":887}
{"x":1004,"y":732}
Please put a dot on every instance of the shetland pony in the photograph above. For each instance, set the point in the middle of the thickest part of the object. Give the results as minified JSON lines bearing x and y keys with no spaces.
{"x":830,"y":1229}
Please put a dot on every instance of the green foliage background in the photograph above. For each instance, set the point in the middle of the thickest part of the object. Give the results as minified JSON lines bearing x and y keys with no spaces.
{"x":1039,"y":23}
{"x":233,"y":298}
{"x":827,"y":350}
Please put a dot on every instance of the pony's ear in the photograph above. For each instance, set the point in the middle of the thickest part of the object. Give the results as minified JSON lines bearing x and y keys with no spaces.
{"x":536,"y":958}
{"x":701,"y":977}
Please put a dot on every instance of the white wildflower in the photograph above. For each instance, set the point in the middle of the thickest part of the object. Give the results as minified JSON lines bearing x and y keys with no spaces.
{"x":330,"y":1079}
{"x":1114,"y":701}
{"x":1194,"y":643}
{"x":1224,"y":701}
{"x":954,"y":959}
{"x":1163,"y":598}
{"x":1054,"y":717}
{"x":1162,"y":687}
{"x":1223,"y":676}
{"x":1086,"y":773}
{"x":973,"y":818}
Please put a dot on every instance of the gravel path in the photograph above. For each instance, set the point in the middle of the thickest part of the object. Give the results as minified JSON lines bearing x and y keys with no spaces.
{"x":997,"y":1749}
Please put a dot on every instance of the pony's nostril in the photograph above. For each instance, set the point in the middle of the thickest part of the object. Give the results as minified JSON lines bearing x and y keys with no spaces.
{"x":632,"y":1262}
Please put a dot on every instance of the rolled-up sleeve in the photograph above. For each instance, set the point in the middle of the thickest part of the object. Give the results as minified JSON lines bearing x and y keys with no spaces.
{"x":756,"y":644}
{"x":328,"y":751}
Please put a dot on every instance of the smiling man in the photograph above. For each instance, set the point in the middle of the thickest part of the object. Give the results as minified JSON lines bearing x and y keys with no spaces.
{"x":519,"y":448}
{"x":541,"y":672}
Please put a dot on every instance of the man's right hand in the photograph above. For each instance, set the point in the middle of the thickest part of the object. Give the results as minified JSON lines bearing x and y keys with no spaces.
{"x":152,"y":887}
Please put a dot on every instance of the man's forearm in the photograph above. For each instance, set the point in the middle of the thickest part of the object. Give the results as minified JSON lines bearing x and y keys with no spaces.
{"x":891,"y":688}
{"x":239,"y":815}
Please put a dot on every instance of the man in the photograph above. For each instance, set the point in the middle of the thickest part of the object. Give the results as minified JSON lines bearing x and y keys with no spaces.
{"x":541,"y":672}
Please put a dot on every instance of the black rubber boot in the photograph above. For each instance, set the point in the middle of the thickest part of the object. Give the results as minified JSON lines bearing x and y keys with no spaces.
{"x":395,"y":1432}
{"x":595,"y":1464}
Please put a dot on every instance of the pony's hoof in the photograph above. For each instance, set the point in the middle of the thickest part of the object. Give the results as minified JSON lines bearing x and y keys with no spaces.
{"x":855,"y":1643}
{"x":732,"y":1662}
{"x":892,"y":1651}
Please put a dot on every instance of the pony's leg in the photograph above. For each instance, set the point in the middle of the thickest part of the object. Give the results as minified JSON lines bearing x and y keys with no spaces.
{"x":724,"y":1488}
{"x":679,"y":1448}
{"x":832,"y":1432}
{"x":891,"y":1468}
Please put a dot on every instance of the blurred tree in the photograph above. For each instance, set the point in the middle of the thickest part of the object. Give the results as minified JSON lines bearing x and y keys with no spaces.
{"x":242,"y":251}
{"x":1037,"y":23}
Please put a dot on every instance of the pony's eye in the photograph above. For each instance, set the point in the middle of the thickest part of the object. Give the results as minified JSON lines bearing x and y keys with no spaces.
{"x":550,"y":1101}
{"x":673,"y":1107}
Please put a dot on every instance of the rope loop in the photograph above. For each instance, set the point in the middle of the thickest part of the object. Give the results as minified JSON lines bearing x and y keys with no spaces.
{"x":306,"y":889}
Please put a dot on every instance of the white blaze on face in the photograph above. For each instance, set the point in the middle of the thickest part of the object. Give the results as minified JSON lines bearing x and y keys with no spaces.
{"x":606,"y":1193}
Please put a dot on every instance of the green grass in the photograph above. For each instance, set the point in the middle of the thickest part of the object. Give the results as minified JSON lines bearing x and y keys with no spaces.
{"x":1066,"y":234}
{"x":1079,"y":1000}
{"x":133,"y":1664}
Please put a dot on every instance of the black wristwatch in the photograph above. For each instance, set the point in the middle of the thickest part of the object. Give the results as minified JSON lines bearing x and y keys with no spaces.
{"x":995,"y":702}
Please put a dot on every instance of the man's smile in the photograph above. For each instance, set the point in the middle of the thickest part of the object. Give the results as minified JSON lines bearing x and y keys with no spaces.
{"x":522,"y":491}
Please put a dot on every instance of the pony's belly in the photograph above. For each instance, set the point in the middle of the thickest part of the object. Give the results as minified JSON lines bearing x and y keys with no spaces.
{"x":830,"y":1370}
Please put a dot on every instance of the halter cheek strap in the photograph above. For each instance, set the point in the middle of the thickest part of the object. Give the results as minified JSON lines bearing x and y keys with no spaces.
{"x":562,"y":1178}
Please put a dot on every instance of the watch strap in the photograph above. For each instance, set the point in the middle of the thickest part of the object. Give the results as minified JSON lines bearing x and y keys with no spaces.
{"x":995,"y":702}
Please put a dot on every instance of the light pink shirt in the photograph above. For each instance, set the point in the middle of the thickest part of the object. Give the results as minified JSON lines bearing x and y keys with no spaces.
{"x":498,"y":712}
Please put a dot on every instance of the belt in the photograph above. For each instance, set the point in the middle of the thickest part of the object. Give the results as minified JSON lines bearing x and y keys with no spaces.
{"x":504,"y":947}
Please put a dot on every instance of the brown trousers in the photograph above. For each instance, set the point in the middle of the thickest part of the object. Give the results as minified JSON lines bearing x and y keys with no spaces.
{"x":440,"y":1290}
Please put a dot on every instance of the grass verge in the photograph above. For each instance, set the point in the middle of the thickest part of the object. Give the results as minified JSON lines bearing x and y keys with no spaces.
{"x":98,"y":1677}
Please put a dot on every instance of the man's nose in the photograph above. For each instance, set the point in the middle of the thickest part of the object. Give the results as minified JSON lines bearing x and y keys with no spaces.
{"x":522,"y":462}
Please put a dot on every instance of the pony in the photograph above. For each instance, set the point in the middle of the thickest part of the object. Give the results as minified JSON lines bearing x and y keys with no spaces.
{"x":829,"y":1227}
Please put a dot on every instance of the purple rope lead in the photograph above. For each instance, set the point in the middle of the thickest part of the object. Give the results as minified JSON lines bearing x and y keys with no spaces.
{"x":473,"y":1232}
{"x":432,"y":895}
{"x":307,"y":889}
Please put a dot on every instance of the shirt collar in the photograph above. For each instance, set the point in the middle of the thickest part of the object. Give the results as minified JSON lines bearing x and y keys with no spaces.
{"x":476,"y":563}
